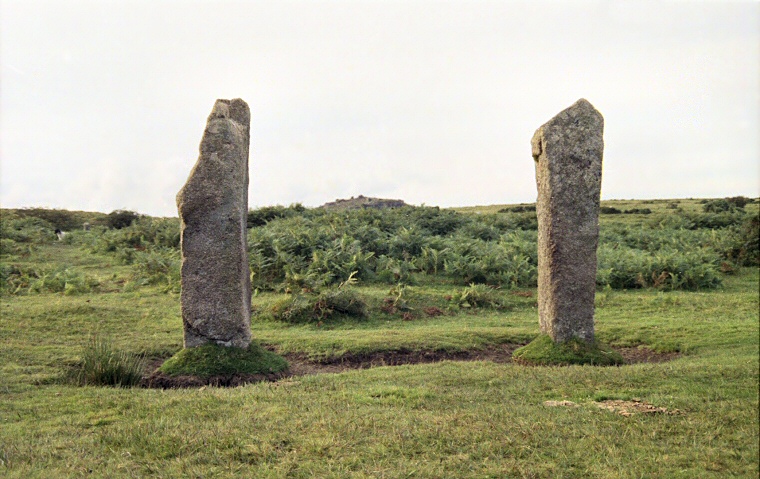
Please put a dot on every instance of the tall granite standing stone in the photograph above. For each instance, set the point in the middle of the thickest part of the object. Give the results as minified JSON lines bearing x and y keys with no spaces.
{"x":568,"y":156}
{"x":213,"y":206}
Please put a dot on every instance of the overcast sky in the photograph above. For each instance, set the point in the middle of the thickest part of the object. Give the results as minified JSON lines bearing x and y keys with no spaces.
{"x":103,"y":103}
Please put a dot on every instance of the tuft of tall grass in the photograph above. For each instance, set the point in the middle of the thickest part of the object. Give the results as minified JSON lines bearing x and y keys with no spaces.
{"x":102,"y":365}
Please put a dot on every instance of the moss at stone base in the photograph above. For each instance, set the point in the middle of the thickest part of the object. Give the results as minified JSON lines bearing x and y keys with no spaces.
{"x":214,"y":360}
{"x":544,"y":351}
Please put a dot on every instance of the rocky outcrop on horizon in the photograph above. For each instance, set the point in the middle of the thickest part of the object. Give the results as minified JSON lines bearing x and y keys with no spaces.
{"x":362,"y":201}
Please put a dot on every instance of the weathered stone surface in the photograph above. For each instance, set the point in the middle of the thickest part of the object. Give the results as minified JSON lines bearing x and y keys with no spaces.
{"x":213,"y":206}
{"x":568,"y":156}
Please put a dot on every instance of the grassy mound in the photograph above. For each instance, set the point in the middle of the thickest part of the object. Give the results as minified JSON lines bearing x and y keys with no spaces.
{"x":214,"y":360}
{"x":544,"y":351}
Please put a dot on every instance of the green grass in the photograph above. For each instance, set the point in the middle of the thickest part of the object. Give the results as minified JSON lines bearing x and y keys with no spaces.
{"x":102,"y":365}
{"x":544,"y":351}
{"x":450,"y":419}
{"x":214,"y":360}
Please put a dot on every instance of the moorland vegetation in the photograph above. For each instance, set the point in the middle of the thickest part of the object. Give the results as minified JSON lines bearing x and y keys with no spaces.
{"x":677,"y":277}
{"x":295,"y":249}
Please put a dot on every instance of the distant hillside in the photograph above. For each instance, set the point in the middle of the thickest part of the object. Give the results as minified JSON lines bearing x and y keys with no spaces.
{"x":66,"y":220}
{"x":362,"y":201}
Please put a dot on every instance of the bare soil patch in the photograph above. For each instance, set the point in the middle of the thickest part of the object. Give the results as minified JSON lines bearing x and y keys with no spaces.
{"x":621,"y":406}
{"x":635,"y":406}
{"x":159,"y":380}
{"x":301,"y":364}
{"x":641,"y":354}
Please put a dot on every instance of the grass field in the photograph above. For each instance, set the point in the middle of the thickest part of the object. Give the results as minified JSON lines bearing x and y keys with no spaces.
{"x":448,"y":419}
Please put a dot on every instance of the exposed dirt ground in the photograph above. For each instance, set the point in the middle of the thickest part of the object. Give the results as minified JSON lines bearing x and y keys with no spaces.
{"x":301,"y":365}
{"x":635,"y":406}
{"x":621,"y":406}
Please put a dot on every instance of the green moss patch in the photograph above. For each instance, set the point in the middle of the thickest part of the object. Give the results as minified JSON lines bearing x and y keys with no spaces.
{"x":214,"y":360}
{"x":544,"y":351}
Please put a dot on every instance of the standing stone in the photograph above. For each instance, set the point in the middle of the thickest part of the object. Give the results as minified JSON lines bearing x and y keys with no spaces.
{"x":213,"y":206}
{"x":568,"y":155}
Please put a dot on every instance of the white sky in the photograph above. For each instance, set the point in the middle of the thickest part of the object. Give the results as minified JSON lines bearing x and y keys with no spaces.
{"x":103,"y":103}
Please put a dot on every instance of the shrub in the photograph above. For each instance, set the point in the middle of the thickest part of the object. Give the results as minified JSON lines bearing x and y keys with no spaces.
{"x":431,"y":260}
{"x":119,"y":219}
{"x":340,"y":301}
{"x":739,"y":201}
{"x":64,"y":280}
{"x":432,"y":220}
{"x":609,"y":210}
{"x":12,"y":279}
{"x":723,"y":219}
{"x":744,"y":245}
{"x":325,"y":306}
{"x":143,"y":234}
{"x":749,"y":252}
{"x":722,"y":205}
{"x":102,"y":365}
{"x":521,"y":221}
{"x":157,"y":266}
{"x":477,"y":296}
{"x":61,"y":279}
{"x":622,"y":268}
{"x":512,"y":261}
{"x":518,"y":209}
{"x":676,"y":222}
{"x":480,"y":230}
{"x":61,"y":219}
{"x":8,"y":247}
{"x":407,"y":242}
{"x":26,"y":229}
{"x":695,"y":221}
{"x":318,"y":248}
{"x":342,"y":258}
{"x":392,"y":271}
{"x":262,"y":216}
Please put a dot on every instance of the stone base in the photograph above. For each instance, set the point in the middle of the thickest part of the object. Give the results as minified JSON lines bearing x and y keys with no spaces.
{"x":214,"y":360}
{"x":543,"y":351}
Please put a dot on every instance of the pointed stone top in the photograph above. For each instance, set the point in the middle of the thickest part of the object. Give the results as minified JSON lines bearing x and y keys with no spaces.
{"x":581,"y":107}
{"x":583,"y":102}
{"x":576,"y":121}
{"x":236,"y":110}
